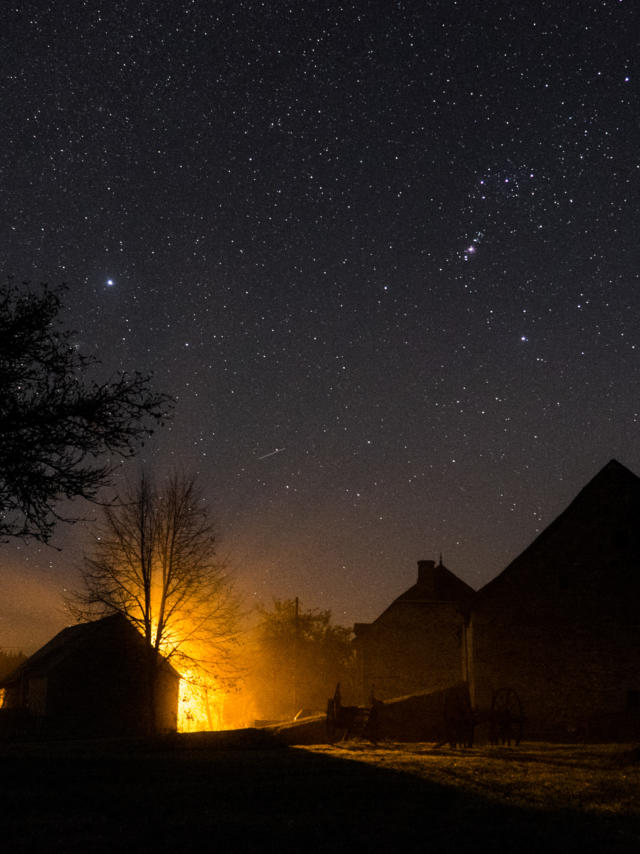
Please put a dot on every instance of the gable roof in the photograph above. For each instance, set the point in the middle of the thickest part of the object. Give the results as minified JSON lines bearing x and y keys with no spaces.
{"x":74,"y":639}
{"x":436,"y":585}
{"x":594,"y":541}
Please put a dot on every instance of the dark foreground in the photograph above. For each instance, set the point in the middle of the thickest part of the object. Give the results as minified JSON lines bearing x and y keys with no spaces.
{"x":257,"y":796}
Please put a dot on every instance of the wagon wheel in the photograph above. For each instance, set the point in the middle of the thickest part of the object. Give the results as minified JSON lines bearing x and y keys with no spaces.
{"x":506,"y":717}
{"x":331,"y":724}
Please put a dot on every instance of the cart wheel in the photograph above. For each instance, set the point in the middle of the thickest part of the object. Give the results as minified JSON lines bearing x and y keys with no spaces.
{"x":506,"y":717}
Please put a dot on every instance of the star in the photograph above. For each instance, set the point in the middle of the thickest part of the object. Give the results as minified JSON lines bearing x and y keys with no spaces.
{"x":352,"y":260}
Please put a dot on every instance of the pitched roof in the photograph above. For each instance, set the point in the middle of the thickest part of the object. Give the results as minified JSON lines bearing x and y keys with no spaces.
{"x":435,"y":585}
{"x":75,"y":638}
{"x":598,"y":532}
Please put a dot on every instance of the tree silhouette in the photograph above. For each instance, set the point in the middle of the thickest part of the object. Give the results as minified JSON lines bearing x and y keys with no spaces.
{"x":296,"y":658}
{"x":154,"y":562}
{"x":61,"y":434}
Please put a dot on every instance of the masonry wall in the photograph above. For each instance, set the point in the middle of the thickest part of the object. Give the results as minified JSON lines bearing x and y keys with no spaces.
{"x":574,"y":679}
{"x":561,"y":625}
{"x":413,"y":647}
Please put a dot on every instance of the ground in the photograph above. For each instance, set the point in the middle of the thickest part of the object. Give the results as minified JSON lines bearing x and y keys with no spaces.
{"x":593,"y":779}
{"x":247,"y":793}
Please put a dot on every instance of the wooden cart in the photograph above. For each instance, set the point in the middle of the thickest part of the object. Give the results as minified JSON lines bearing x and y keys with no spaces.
{"x":344,"y":722}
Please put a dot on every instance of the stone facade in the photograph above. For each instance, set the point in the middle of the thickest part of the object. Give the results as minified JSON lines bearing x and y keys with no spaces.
{"x":416,"y":643}
{"x":560,"y":625}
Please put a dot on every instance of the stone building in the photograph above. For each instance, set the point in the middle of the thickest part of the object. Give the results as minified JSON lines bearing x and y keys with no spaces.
{"x":416,"y":643}
{"x":561,"y":623}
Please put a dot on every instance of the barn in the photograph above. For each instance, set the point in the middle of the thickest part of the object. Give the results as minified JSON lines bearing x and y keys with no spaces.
{"x":91,"y":680}
{"x":559,"y":626}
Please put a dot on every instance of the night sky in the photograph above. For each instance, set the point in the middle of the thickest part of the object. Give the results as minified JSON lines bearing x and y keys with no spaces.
{"x":385,"y":255}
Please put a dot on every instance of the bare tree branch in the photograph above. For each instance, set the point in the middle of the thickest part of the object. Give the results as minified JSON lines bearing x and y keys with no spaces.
{"x":155,"y":563}
{"x":61,"y":434}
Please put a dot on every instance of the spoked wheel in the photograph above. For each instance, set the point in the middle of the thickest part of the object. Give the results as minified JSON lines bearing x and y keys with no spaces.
{"x":506,"y":717}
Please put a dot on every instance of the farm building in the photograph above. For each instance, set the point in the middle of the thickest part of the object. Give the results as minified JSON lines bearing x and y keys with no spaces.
{"x":91,"y":680}
{"x":560,"y":625}
{"x":415,"y":644}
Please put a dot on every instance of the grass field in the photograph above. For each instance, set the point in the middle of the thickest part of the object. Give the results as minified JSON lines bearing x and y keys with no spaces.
{"x":227,"y":795}
{"x":596,"y":779}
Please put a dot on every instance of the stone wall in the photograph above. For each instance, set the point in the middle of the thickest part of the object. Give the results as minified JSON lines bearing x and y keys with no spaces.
{"x":415,"y":646}
{"x":574,"y":679}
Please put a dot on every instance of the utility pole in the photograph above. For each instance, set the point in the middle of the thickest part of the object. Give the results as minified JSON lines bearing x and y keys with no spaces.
{"x":296,"y":637}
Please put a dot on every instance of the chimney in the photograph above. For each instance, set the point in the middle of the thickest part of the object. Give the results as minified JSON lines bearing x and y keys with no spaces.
{"x":427,"y":577}
{"x":426,"y":570}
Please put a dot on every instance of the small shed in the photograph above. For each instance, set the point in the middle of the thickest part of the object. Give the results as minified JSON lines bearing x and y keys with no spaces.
{"x":93,"y":680}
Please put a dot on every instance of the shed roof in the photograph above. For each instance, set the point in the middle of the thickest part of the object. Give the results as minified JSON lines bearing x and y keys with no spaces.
{"x":74,"y":639}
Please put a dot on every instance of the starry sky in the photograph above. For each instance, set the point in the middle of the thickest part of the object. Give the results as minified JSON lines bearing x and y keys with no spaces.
{"x":384,"y":254}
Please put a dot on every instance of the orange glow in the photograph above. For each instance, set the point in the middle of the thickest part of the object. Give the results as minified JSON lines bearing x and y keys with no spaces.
{"x":200,"y":699}
{"x":200,"y":704}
